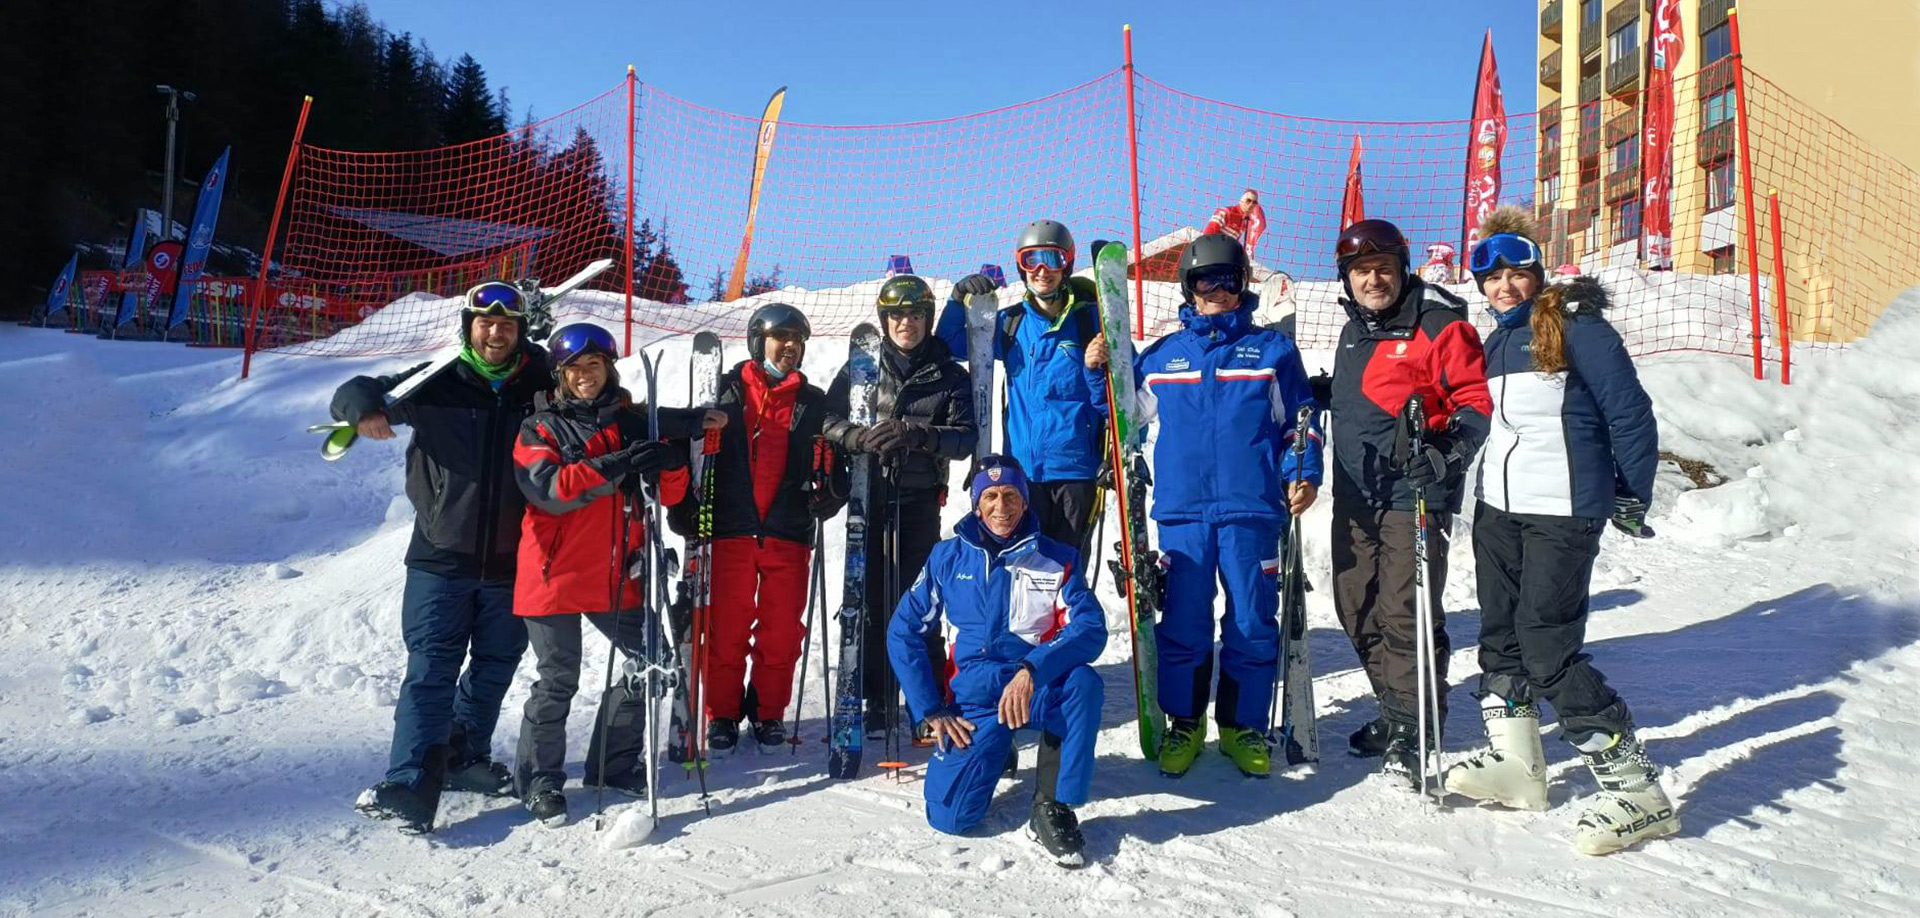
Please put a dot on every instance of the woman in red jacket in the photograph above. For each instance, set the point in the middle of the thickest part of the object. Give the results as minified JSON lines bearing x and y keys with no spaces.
{"x":578,"y":457}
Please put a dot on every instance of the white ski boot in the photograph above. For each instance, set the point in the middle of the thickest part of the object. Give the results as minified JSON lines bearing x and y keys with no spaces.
{"x":1512,"y":770}
{"x":1630,"y":805}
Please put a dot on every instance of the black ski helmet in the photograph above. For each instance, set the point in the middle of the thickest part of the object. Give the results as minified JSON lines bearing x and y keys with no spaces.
{"x":774,"y":317}
{"x":1371,"y":237}
{"x":1213,"y":250}
{"x":1045,"y":233}
{"x":904,"y":291}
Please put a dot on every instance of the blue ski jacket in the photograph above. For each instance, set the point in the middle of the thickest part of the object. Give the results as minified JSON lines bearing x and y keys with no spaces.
{"x":1025,"y":603}
{"x":1223,"y":393}
{"x":1564,"y":444}
{"x":1056,"y":407}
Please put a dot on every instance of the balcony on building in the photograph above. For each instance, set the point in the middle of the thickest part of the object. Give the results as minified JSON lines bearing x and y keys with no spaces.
{"x":1713,"y":12}
{"x":1590,"y":39}
{"x":1550,"y":161}
{"x":1716,"y":143}
{"x":1550,"y":20}
{"x":1623,"y":76}
{"x":1623,"y":184}
{"x":1550,"y":70}
{"x":1621,"y":13}
{"x":1590,"y":88}
{"x":1589,"y":197}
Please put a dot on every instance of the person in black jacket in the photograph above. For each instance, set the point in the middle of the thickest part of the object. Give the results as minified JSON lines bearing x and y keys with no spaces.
{"x":764,"y":509}
{"x":458,"y":605}
{"x":924,"y":421}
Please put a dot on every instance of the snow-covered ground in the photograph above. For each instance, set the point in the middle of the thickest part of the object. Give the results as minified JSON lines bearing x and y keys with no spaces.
{"x":201,"y":652}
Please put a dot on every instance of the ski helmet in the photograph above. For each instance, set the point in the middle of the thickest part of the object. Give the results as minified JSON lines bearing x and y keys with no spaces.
{"x":904,"y":291}
{"x":1045,"y":233}
{"x":1213,"y":253}
{"x":1371,"y":237}
{"x":774,"y":317}
{"x":579,"y":339}
{"x":493,"y":298}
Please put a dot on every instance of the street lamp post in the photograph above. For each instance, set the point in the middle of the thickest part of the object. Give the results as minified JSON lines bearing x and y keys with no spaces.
{"x":173,"y":119}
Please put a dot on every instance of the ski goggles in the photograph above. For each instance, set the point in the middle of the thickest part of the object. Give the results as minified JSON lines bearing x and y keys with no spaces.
{"x":1370,"y":237}
{"x":1217,"y":278}
{"x":496,"y":298}
{"x":907,"y":311}
{"x":1512,"y":250}
{"x":580,"y":339}
{"x":1053,"y":258}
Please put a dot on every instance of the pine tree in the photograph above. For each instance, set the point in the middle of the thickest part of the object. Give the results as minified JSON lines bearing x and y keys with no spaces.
{"x":470,"y":108}
{"x":761,"y":283}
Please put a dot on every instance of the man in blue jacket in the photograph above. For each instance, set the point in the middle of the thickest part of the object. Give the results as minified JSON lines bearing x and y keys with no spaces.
{"x":1056,"y":401}
{"x":1024,"y":631}
{"x":1224,"y":393}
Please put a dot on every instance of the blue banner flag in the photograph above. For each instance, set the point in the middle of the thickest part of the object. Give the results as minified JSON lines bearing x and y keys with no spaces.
{"x":62,"y":286}
{"x":136,"y":256}
{"x":206,"y":212}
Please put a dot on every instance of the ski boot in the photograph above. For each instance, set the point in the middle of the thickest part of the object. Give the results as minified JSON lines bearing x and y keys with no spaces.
{"x":1181,"y":745}
{"x":1247,"y":749}
{"x":1400,"y":762}
{"x":1630,"y":805}
{"x":723,"y":734}
{"x":631,"y":783}
{"x":771,"y":734}
{"x":476,"y":774}
{"x":1512,"y":770}
{"x":546,"y":804}
{"x":1370,"y":741}
{"x":1053,"y":823}
{"x":413,"y":807}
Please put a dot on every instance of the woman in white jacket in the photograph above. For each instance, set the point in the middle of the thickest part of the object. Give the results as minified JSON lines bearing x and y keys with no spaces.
{"x":1573,"y":445}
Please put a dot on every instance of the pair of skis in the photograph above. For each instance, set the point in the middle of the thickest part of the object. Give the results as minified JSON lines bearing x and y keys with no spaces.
{"x":340,"y":435}
{"x":686,"y":744}
{"x":847,"y":730}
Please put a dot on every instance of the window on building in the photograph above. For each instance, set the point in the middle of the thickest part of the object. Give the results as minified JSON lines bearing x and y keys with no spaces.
{"x":1550,"y":190}
{"x":1716,"y":108}
{"x":1626,"y":220}
{"x":1715,"y":43}
{"x":1722,"y":259}
{"x":1590,"y":121}
{"x":1624,"y":155}
{"x":1589,"y":13}
{"x":1550,"y":137}
{"x":1624,"y":43}
{"x":1720,"y":176}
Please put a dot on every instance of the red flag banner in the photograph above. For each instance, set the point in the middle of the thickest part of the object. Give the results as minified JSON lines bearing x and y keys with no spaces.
{"x":763,"y":148}
{"x":1656,"y":141}
{"x":1489,"y":140}
{"x":1352,"y":208}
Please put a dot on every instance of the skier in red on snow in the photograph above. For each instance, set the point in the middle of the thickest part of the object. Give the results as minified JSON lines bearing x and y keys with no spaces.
{"x":1244,"y":221}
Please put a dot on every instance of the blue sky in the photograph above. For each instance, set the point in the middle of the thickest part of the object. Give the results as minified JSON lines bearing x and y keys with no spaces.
{"x":866,"y":62}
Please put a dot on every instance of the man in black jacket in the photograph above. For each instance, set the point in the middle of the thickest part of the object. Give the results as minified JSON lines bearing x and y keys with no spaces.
{"x":924,"y":421}
{"x":458,"y":605}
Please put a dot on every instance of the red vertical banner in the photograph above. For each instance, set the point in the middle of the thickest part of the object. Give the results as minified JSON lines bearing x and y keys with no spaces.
{"x":1353,"y":206}
{"x":1656,"y":141}
{"x":1489,"y":140}
{"x":763,"y":148}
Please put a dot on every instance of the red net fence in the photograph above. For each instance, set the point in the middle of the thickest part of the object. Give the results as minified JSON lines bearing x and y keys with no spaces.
{"x":375,"y":247}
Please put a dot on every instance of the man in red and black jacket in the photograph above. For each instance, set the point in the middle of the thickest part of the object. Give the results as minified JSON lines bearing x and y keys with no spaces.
{"x":1403,"y":337}
{"x":763,"y":516}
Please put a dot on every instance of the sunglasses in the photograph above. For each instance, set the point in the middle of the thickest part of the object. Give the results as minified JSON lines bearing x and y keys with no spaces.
{"x":915,"y":311}
{"x":496,"y":298}
{"x":1215,"y":279}
{"x":1050,"y":257}
{"x":1514,"y":251}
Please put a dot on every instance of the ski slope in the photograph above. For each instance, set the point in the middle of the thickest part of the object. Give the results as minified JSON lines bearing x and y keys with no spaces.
{"x":201,"y":652}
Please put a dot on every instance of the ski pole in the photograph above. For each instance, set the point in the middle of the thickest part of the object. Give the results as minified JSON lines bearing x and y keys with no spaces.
{"x":618,"y":545}
{"x":806,"y":638}
{"x":1426,"y":679}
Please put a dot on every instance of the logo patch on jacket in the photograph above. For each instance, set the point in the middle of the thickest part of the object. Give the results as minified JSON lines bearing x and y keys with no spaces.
{"x":1399,"y":350}
{"x":1177,"y":364}
{"x":1246,"y":352}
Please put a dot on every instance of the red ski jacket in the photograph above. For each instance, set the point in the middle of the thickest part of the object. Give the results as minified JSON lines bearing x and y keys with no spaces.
{"x":571,"y":530}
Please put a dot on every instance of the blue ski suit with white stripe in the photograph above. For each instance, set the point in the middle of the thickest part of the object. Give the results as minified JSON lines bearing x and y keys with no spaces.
{"x":1021,"y":602}
{"x":1222,"y":393}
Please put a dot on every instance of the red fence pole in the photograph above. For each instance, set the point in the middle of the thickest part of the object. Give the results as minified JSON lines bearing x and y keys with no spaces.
{"x":1780,"y":321}
{"x":273,"y":227}
{"x":1133,"y":166}
{"x":630,"y":94}
{"x":1746,"y":181}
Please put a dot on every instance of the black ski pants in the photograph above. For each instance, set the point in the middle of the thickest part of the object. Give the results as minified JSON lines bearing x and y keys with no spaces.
{"x":542,"y":755}
{"x":918,"y":532}
{"x":1534,"y":572}
{"x":1373,"y":594}
{"x":1066,"y":511}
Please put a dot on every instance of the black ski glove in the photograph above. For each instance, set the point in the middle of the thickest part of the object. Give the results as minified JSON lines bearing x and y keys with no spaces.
{"x":646,"y":458}
{"x":1630,"y":516}
{"x":1431,"y":467}
{"x":895,"y":435}
{"x":1322,"y":386}
{"x":971,"y":284}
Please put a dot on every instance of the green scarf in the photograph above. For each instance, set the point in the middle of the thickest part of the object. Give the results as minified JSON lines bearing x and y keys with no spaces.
{"x":489,"y":371}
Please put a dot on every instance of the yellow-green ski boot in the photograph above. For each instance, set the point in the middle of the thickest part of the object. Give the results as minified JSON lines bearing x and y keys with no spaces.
{"x":1181,"y":746}
{"x":1247,"y":749}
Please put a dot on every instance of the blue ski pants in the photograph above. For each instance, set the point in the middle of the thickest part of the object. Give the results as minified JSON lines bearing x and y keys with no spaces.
{"x":448,"y":622}
{"x":1244,"y":556}
{"x":960,"y":782}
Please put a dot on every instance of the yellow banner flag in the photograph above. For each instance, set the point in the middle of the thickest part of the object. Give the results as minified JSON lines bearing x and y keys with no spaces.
{"x":769,"y":120}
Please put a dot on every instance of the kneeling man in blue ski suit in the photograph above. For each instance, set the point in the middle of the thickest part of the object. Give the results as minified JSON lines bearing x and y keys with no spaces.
{"x":1024,"y":631}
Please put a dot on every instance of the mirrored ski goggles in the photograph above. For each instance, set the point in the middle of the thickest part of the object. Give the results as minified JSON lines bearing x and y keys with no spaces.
{"x":496,"y":298}
{"x":1515,"y":251}
{"x":1050,"y":257}
{"x":1217,"y":278}
{"x":575,"y":341}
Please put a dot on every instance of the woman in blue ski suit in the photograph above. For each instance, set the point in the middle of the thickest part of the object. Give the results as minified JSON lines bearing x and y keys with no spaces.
{"x":1023,"y":632}
{"x":1224,"y":393}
